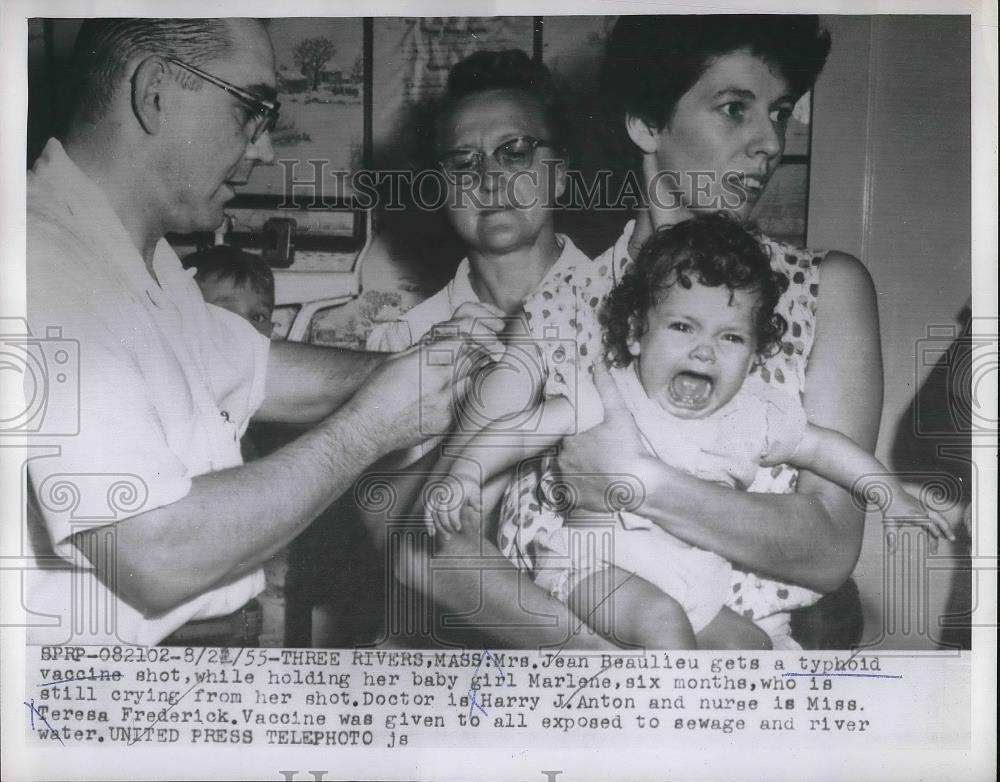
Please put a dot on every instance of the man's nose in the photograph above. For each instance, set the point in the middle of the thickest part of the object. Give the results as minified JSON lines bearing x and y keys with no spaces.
{"x":261,"y":150}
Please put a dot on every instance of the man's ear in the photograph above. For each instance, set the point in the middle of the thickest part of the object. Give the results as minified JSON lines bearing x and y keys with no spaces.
{"x":147,"y":93}
{"x":643,"y":135}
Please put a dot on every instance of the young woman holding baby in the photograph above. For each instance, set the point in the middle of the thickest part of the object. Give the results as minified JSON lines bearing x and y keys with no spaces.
{"x":702,"y":102}
{"x":713,"y":94}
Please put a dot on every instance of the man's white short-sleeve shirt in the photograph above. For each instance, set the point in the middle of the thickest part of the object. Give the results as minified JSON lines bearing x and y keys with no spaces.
{"x":163,"y":387}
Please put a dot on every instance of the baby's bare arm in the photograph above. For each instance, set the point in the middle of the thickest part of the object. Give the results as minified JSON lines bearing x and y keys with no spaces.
{"x":834,"y":456}
{"x":839,"y":459}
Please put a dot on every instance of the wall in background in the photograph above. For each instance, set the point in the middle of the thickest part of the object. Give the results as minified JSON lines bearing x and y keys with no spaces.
{"x":890,"y":183}
{"x":320,"y":66}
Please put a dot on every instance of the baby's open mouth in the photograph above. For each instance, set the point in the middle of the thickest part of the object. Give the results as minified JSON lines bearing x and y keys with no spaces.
{"x":691,"y":390}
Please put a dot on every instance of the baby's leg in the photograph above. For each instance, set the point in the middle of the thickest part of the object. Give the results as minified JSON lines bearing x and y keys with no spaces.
{"x":729,"y":630}
{"x":631,"y":612}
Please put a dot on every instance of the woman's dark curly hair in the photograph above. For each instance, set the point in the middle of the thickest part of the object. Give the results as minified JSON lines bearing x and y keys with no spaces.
{"x":650,"y":62}
{"x":711,"y":250}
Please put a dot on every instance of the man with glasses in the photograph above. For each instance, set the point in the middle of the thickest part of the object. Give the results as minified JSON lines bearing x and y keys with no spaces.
{"x":167,"y":525}
{"x":262,"y":115}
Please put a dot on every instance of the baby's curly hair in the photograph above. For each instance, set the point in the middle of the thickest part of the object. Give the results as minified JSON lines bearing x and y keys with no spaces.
{"x":712,"y":250}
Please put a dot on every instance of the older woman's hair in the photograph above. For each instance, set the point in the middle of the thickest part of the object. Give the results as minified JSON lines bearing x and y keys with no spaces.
{"x":651,"y":61}
{"x":511,"y":69}
{"x":105,"y":46}
{"x":712,"y":250}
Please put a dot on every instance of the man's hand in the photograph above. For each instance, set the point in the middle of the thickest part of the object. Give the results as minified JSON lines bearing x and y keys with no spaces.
{"x":412,"y":394}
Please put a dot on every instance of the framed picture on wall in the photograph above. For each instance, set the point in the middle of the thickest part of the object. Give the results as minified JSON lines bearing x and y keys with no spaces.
{"x":320,"y":69}
{"x":298,"y":212}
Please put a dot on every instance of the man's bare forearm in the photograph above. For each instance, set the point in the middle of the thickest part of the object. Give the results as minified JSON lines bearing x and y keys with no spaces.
{"x":305,"y":383}
{"x":234,"y":520}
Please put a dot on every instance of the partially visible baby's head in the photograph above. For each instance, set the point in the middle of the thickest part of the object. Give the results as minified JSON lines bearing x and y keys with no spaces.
{"x":694,"y":311}
{"x":237,"y":281}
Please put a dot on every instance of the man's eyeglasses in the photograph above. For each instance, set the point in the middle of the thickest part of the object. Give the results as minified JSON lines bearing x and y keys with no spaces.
{"x":513,"y":156}
{"x":263,"y":113}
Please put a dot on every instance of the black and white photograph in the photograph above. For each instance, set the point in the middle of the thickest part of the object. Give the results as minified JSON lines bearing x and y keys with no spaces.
{"x":368,"y":382}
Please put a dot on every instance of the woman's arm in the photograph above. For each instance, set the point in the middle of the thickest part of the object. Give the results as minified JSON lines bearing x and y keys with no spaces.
{"x":812,"y":537}
{"x":503,"y":423}
{"x":471,"y":580}
{"x":475,"y":462}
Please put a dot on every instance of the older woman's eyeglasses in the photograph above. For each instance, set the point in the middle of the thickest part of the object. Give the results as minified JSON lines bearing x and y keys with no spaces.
{"x":513,"y":156}
{"x":263,"y":113}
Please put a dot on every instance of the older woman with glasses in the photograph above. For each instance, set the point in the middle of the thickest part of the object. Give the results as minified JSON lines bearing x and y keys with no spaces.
{"x":499,"y":146}
{"x":499,"y":142}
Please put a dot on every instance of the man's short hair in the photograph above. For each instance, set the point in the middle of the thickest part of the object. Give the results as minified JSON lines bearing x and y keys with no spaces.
{"x":226,"y":263}
{"x":105,"y":46}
